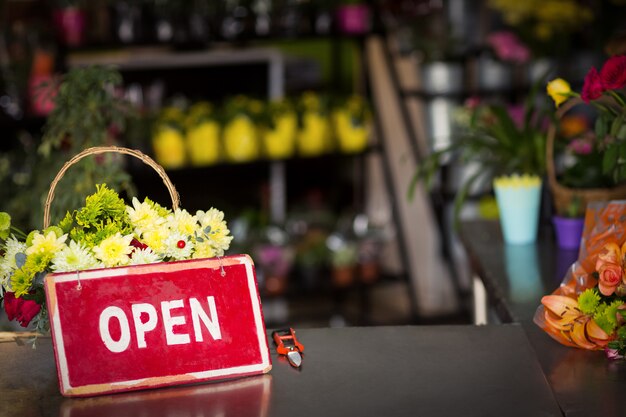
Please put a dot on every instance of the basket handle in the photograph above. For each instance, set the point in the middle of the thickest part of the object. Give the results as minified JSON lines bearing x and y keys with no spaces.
{"x":109,"y":149}
{"x":550,"y":169}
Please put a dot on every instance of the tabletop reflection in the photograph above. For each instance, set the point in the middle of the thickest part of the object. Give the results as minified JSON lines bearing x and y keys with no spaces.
{"x":247,"y":397}
{"x":522,"y":268}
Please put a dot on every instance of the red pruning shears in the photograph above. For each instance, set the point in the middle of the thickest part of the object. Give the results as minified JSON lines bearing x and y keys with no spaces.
{"x":288,"y":345}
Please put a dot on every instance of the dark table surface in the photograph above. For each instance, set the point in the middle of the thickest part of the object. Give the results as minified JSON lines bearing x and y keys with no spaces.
{"x":373,"y":371}
{"x":584,"y":383}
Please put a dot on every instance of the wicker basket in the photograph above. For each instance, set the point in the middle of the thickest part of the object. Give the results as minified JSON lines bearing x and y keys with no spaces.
{"x":109,"y":149}
{"x":562,"y":195}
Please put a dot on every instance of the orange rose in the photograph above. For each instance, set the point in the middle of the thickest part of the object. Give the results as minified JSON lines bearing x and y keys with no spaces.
{"x":610,"y":253}
{"x":610,"y":276}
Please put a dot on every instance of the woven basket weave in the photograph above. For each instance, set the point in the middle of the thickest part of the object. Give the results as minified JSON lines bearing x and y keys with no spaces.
{"x":562,"y":195}
{"x":109,"y":149}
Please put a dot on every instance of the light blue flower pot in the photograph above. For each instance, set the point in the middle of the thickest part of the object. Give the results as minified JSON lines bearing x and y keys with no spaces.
{"x":518,"y":205}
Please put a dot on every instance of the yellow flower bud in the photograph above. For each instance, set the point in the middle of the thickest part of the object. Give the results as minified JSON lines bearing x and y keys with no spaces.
{"x":559,"y":90}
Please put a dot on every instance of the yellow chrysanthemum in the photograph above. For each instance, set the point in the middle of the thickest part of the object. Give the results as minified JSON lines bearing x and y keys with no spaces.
{"x":205,"y":250}
{"x":214,"y":228}
{"x":114,"y":250}
{"x":143,"y":217}
{"x":559,"y":90}
{"x":46,"y":245}
{"x":182,"y":222}
{"x":155,"y":238}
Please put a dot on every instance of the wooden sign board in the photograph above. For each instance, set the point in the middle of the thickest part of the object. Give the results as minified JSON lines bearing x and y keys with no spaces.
{"x":147,"y":326}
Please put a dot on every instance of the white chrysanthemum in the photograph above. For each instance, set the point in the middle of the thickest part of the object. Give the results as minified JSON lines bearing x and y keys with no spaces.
{"x":144,"y":256}
{"x":205,"y":250}
{"x":155,"y":238}
{"x":182,"y":222}
{"x":114,"y":250}
{"x":7,"y":263}
{"x":48,"y":244}
{"x":143,"y":217}
{"x":214,"y":229}
{"x":74,"y":257}
{"x":177,"y":250}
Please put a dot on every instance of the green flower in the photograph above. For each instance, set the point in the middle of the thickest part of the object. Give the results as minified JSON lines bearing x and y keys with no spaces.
{"x":588,"y":301}
{"x":21,"y":281}
{"x":103,"y":215}
{"x":606,"y":316}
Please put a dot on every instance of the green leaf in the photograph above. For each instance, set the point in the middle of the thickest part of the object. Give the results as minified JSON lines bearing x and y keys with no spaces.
{"x":617,"y":124}
{"x":20,"y":259}
{"x":601,"y":127}
{"x":621,"y":133}
{"x":5,"y":225}
{"x":621,"y":174}
{"x":609,"y":161}
{"x":462,"y":194}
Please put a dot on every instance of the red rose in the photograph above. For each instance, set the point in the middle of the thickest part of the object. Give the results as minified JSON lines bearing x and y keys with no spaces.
{"x":20,"y":309}
{"x":137,"y":244}
{"x":610,"y":277}
{"x":613,"y":73}
{"x":593,"y":88}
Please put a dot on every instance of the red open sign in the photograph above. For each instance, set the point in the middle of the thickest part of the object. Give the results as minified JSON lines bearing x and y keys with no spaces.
{"x":129,"y":328}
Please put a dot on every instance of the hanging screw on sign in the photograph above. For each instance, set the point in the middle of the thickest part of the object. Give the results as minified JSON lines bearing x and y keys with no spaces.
{"x":288,"y":345}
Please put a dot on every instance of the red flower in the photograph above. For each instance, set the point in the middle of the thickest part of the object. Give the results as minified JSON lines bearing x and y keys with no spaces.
{"x":20,"y":309}
{"x":593,"y":87}
{"x":613,"y":73}
{"x":137,"y":244}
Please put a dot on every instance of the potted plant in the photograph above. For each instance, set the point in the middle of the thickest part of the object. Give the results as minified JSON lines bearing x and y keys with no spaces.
{"x":568,"y":226}
{"x":240,"y":135}
{"x":88,"y":112}
{"x":278,"y":129}
{"x":70,"y":21}
{"x":352,"y":124}
{"x":203,"y":132}
{"x":314,"y":126}
{"x":502,"y":141}
{"x":168,"y":139}
{"x":343,"y":259}
{"x":597,"y":169}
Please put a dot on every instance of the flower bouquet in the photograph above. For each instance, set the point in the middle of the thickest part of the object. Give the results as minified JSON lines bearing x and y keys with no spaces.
{"x":588,"y":310}
{"x":105,"y":233}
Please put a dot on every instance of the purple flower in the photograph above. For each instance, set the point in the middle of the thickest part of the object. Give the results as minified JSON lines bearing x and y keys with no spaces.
{"x":517,"y":114}
{"x":612,"y":354}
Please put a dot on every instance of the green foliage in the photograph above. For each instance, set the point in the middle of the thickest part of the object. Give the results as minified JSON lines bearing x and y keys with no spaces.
{"x":614,"y":157}
{"x":5,"y":225}
{"x":87,"y":113}
{"x":103,"y":215}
